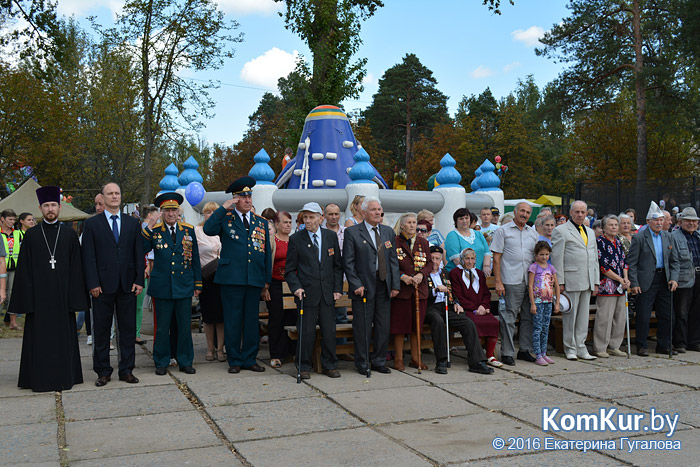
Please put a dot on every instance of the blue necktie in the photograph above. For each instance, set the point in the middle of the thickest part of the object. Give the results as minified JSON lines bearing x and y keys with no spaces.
{"x":317,"y":247}
{"x":115,"y":227}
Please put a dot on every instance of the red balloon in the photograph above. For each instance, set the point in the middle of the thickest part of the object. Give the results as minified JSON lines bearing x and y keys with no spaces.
{"x":498,"y":158}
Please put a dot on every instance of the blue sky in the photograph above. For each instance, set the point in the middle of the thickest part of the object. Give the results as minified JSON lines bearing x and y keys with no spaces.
{"x":467,"y":47}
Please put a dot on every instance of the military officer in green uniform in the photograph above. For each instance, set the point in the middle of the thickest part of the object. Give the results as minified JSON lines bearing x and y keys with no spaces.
{"x":176,"y":277}
{"x":244,"y":272}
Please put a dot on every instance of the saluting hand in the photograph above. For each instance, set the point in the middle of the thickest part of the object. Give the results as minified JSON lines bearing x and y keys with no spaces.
{"x":231,"y":203}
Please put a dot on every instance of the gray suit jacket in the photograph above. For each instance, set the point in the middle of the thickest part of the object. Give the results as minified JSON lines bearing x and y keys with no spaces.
{"x":576,"y":263}
{"x":686,"y":275}
{"x":360,"y":259}
{"x":642,"y":259}
{"x":302,"y":269}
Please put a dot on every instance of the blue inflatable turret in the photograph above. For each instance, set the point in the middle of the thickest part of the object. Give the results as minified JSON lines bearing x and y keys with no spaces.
{"x":325,"y":153}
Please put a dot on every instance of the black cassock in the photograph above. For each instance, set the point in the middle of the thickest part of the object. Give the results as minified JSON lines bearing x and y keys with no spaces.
{"x":49,"y":298}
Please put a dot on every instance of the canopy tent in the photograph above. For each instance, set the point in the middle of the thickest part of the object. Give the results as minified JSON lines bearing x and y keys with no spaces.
{"x":23,"y":199}
{"x":512,"y":202}
{"x":549,"y":200}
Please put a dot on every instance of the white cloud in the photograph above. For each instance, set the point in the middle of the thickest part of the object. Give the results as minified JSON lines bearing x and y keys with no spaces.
{"x":266,"y":69}
{"x":81,"y":7}
{"x":511,"y":66}
{"x":481,"y":72}
{"x":245,"y":7}
{"x":370,"y":80}
{"x":530,"y":36}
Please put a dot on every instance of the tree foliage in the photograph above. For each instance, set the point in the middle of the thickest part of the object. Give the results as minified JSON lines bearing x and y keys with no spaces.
{"x":331,"y":29}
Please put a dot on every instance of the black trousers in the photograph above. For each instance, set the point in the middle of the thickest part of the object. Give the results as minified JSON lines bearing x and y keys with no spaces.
{"x":324,"y":315}
{"x":376,"y":313}
{"x":686,"y":307}
{"x":103,"y":308}
{"x":435,"y":317}
{"x":657,"y":298}
{"x":281,"y":346}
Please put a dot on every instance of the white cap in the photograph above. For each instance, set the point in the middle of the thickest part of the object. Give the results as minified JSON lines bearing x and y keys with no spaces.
{"x":312,"y":207}
{"x":654,"y":211}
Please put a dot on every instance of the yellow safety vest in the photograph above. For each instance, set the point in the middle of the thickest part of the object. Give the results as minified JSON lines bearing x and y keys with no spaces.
{"x":11,"y":258}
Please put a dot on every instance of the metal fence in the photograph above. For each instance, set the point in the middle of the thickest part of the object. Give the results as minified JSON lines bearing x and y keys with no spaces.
{"x":616,"y":196}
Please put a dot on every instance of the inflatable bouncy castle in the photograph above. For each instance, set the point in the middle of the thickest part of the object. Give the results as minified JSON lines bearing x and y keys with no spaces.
{"x":325,"y":153}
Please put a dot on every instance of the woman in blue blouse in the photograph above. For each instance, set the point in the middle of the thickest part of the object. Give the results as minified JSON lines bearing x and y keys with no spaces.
{"x":464,"y":237}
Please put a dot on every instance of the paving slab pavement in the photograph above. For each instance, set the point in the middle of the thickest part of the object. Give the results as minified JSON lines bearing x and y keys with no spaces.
{"x":404,"y":418}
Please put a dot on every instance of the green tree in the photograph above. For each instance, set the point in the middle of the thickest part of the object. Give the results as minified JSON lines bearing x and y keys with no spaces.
{"x":331,"y":29}
{"x":407,"y":106}
{"x":616,"y":45}
{"x":166,"y":37}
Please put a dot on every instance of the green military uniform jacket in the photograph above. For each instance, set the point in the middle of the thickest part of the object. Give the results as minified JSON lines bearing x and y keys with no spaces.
{"x":177,"y":272}
{"x":245,"y":256}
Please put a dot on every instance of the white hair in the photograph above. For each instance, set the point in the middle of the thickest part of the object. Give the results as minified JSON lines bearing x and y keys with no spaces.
{"x":585,"y":206}
{"x":367,"y":200}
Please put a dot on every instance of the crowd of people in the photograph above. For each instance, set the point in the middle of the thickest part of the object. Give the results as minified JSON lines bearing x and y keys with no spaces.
{"x":397,"y":279}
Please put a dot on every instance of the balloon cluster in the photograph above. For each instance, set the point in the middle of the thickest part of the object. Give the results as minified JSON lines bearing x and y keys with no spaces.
{"x":501,"y":169}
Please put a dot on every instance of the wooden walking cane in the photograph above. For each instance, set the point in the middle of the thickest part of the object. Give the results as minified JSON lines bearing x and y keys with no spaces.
{"x":418,"y":329}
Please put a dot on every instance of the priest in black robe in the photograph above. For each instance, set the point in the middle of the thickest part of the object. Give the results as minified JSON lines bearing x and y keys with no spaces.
{"x":49,"y":288}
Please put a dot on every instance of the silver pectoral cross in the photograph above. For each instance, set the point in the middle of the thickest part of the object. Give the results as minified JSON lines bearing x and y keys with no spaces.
{"x":53,"y":263}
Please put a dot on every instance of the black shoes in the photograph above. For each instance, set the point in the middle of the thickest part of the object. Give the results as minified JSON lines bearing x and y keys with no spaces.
{"x":256,"y":368}
{"x":662,"y":351}
{"x":161,"y":371}
{"x":305,"y":375}
{"x":480,"y":368}
{"x":188,"y":370}
{"x":508,"y":360}
{"x":642,"y":352}
{"x":694,"y":347}
{"x":441,"y":368}
{"x":381,"y":369}
{"x":102,"y":380}
{"x":332,"y":373}
{"x":129,"y":378}
{"x":525,"y":355}
{"x":234,"y":369}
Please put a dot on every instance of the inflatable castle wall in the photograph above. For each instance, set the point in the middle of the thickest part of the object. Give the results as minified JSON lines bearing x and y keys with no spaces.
{"x":330,"y":166}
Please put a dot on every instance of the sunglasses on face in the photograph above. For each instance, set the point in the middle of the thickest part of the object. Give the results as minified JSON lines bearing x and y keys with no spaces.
{"x":422,"y":230}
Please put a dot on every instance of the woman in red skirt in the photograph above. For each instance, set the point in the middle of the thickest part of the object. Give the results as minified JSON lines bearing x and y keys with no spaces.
{"x":471,"y":292}
{"x":415,"y":266}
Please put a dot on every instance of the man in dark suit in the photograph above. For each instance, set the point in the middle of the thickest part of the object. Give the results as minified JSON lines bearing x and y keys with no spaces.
{"x":176,"y":277}
{"x":653,"y":272}
{"x":114,"y":274}
{"x":372,"y":270}
{"x":314,"y":272}
{"x":244,"y":235}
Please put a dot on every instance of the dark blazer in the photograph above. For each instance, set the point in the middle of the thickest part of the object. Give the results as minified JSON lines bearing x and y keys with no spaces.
{"x":108,"y":264}
{"x":303,"y":271}
{"x":642,"y":259}
{"x":407,"y":264}
{"x":469,"y":299}
{"x":177,"y":272}
{"x":445,"y":278}
{"x":360,"y":258}
{"x":245,"y":256}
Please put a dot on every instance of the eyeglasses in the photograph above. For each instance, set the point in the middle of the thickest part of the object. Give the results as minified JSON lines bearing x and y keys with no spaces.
{"x":422,"y":230}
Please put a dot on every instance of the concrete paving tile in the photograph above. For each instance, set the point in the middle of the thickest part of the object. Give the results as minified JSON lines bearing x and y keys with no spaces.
{"x":359,"y":446}
{"x":686,"y":404}
{"x":458,"y":439}
{"x":281,"y":418}
{"x":212,"y":456}
{"x":404,"y":404}
{"x":147,"y":377}
{"x":635,"y":362}
{"x":35,"y":443}
{"x":24,"y":410}
{"x":232,"y":391}
{"x":687,"y":455}
{"x":561,"y":367}
{"x":512,"y":393}
{"x":459,"y":373}
{"x":558,"y":458}
{"x":216,"y":371}
{"x":124,"y":402}
{"x":689,"y":357}
{"x":688,"y":374}
{"x":610,"y":385}
{"x":125,"y":436}
{"x":10,"y":349}
{"x":533,"y":414}
{"x":351,"y":381}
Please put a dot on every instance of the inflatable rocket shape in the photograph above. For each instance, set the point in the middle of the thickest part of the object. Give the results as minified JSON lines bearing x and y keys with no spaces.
{"x":325,"y":153}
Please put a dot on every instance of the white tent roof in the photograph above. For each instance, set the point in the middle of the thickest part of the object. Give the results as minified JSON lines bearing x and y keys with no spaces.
{"x":23,"y":199}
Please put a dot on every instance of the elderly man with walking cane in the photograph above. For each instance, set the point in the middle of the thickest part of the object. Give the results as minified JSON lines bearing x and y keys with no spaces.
{"x":653,"y":274}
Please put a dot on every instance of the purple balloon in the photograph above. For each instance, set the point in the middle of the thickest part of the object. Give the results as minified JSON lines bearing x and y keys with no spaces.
{"x":194,"y":193}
